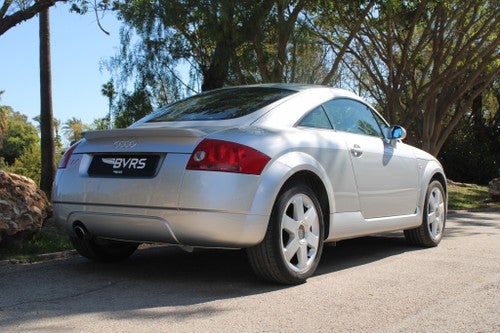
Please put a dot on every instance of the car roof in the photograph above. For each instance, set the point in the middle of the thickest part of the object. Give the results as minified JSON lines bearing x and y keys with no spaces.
{"x":295,"y":103}
{"x":300,"y":87}
{"x":289,"y":86}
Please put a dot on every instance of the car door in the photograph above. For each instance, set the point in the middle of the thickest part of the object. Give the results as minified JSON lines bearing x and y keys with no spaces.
{"x":334,"y":157}
{"x":385,"y":172}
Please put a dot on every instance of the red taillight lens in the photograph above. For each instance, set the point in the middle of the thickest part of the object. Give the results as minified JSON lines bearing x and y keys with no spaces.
{"x":218,"y":155}
{"x":66,"y":156}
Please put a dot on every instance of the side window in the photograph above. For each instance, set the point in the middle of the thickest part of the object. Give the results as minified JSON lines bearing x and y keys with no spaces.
{"x":352,"y":116}
{"x":316,"y":118}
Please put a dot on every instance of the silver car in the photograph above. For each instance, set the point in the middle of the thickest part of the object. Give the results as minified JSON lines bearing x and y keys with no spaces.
{"x":276,"y":169}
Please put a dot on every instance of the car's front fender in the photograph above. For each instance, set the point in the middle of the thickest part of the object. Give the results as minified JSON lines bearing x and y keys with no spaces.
{"x":428,"y":170}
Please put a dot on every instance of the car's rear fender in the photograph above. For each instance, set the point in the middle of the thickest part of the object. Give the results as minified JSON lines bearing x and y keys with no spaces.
{"x":279,"y":172}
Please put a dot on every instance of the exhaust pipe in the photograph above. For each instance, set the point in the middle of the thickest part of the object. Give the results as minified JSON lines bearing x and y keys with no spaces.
{"x":80,"y":231}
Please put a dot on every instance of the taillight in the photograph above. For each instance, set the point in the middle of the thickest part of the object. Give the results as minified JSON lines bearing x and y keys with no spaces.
{"x":67,"y":156}
{"x":225,"y":156}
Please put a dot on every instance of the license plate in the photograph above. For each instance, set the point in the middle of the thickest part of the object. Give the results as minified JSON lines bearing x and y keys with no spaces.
{"x":124,"y":165}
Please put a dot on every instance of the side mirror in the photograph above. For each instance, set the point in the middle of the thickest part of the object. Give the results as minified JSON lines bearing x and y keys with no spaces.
{"x":396,"y":133}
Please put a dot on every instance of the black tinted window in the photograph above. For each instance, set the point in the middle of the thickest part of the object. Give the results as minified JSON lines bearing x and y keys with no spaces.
{"x":352,"y":116}
{"x":220,"y":104}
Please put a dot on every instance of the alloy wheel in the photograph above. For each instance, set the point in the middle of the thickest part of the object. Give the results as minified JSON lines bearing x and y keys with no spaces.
{"x":300,"y":230}
{"x":435,"y":213}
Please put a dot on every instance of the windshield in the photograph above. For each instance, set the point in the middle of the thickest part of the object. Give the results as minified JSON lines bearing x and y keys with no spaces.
{"x":220,"y":104}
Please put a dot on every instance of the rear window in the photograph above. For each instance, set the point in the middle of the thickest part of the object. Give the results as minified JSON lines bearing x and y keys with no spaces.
{"x":220,"y":104}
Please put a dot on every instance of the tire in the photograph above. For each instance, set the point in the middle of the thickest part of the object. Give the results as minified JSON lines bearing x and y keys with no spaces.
{"x":103,"y":250}
{"x":293,"y":243}
{"x":430,"y":232}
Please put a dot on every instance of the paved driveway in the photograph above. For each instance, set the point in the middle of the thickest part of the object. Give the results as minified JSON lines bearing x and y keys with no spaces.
{"x":373,"y":284}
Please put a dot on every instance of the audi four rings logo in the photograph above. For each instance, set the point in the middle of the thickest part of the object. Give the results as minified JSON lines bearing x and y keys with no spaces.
{"x":124,"y":144}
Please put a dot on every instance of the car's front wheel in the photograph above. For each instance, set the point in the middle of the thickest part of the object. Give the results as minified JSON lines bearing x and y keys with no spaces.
{"x":430,"y":232}
{"x":101,"y":249}
{"x":293,"y":243}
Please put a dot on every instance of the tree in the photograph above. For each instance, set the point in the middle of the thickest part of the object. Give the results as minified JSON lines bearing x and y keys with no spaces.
{"x":73,"y":129}
{"x":57,"y":138}
{"x":13,"y":12}
{"x":222,"y":42}
{"x":20,"y":136}
{"x":421,"y":62}
{"x":336,"y":24}
{"x":48,"y":160}
{"x":476,"y":141}
{"x":22,"y":150}
{"x":28,"y":164}
{"x":3,"y":120}
{"x":108,"y":90}
{"x":133,"y":107}
{"x":100,"y":124}
{"x":426,"y":61}
{"x":57,"y":135}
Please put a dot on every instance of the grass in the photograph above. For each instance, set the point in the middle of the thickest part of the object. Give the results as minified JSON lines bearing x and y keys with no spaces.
{"x":469,"y":196}
{"x":43,"y":242}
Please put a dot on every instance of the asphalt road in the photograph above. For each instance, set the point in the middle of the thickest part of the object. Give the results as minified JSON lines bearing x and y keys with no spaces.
{"x":373,"y":284}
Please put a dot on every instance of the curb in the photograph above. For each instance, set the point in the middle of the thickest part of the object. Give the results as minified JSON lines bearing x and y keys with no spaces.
{"x":41,"y":258}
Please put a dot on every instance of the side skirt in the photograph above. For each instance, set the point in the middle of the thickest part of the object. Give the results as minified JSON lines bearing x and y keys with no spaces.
{"x":352,"y":224}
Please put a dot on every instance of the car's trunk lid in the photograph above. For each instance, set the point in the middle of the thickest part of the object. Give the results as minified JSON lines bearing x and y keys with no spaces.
{"x":140,"y":167}
{"x":134,"y":140}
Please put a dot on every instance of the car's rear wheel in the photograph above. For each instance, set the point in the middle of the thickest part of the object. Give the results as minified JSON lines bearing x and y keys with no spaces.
{"x":102,"y":249}
{"x":293,"y":243}
{"x":430,"y":232}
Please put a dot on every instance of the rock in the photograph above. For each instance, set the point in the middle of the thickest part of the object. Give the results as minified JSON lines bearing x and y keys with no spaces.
{"x":494,"y":189}
{"x":23,"y":207}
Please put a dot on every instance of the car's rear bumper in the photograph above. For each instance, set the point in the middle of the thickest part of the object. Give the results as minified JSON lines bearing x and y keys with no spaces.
{"x":204,"y":228}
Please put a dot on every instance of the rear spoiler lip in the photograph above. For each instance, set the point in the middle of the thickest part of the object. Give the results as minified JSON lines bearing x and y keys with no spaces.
{"x":144,"y":132}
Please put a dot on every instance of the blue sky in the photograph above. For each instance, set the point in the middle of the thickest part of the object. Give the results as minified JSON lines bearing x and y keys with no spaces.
{"x":78,"y":47}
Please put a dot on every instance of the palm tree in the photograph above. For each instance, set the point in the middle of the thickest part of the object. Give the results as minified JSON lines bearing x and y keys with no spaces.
{"x":57,"y":136}
{"x":48,"y":163}
{"x":3,"y":124}
{"x":108,"y":90}
{"x":3,"y":120}
{"x":73,"y":129}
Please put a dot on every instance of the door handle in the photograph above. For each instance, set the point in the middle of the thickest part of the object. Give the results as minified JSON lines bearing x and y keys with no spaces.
{"x":356,"y":151}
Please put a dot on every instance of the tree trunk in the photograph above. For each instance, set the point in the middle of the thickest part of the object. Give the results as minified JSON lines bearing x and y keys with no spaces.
{"x":216,"y":74}
{"x":46,"y":117}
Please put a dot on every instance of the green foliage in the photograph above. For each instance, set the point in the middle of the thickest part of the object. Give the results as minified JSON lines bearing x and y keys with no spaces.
{"x":21,"y":146}
{"x":222,"y":42}
{"x":57,"y":135}
{"x":472,"y":152}
{"x":20,"y":137}
{"x":100,"y":124}
{"x":28,"y":164}
{"x":131,"y":108}
{"x":42,"y":242}
{"x":73,"y":129}
{"x":108,"y":90}
{"x":3,"y":123}
{"x":17,"y":11}
{"x":467,"y":157}
{"x":423,"y":62}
